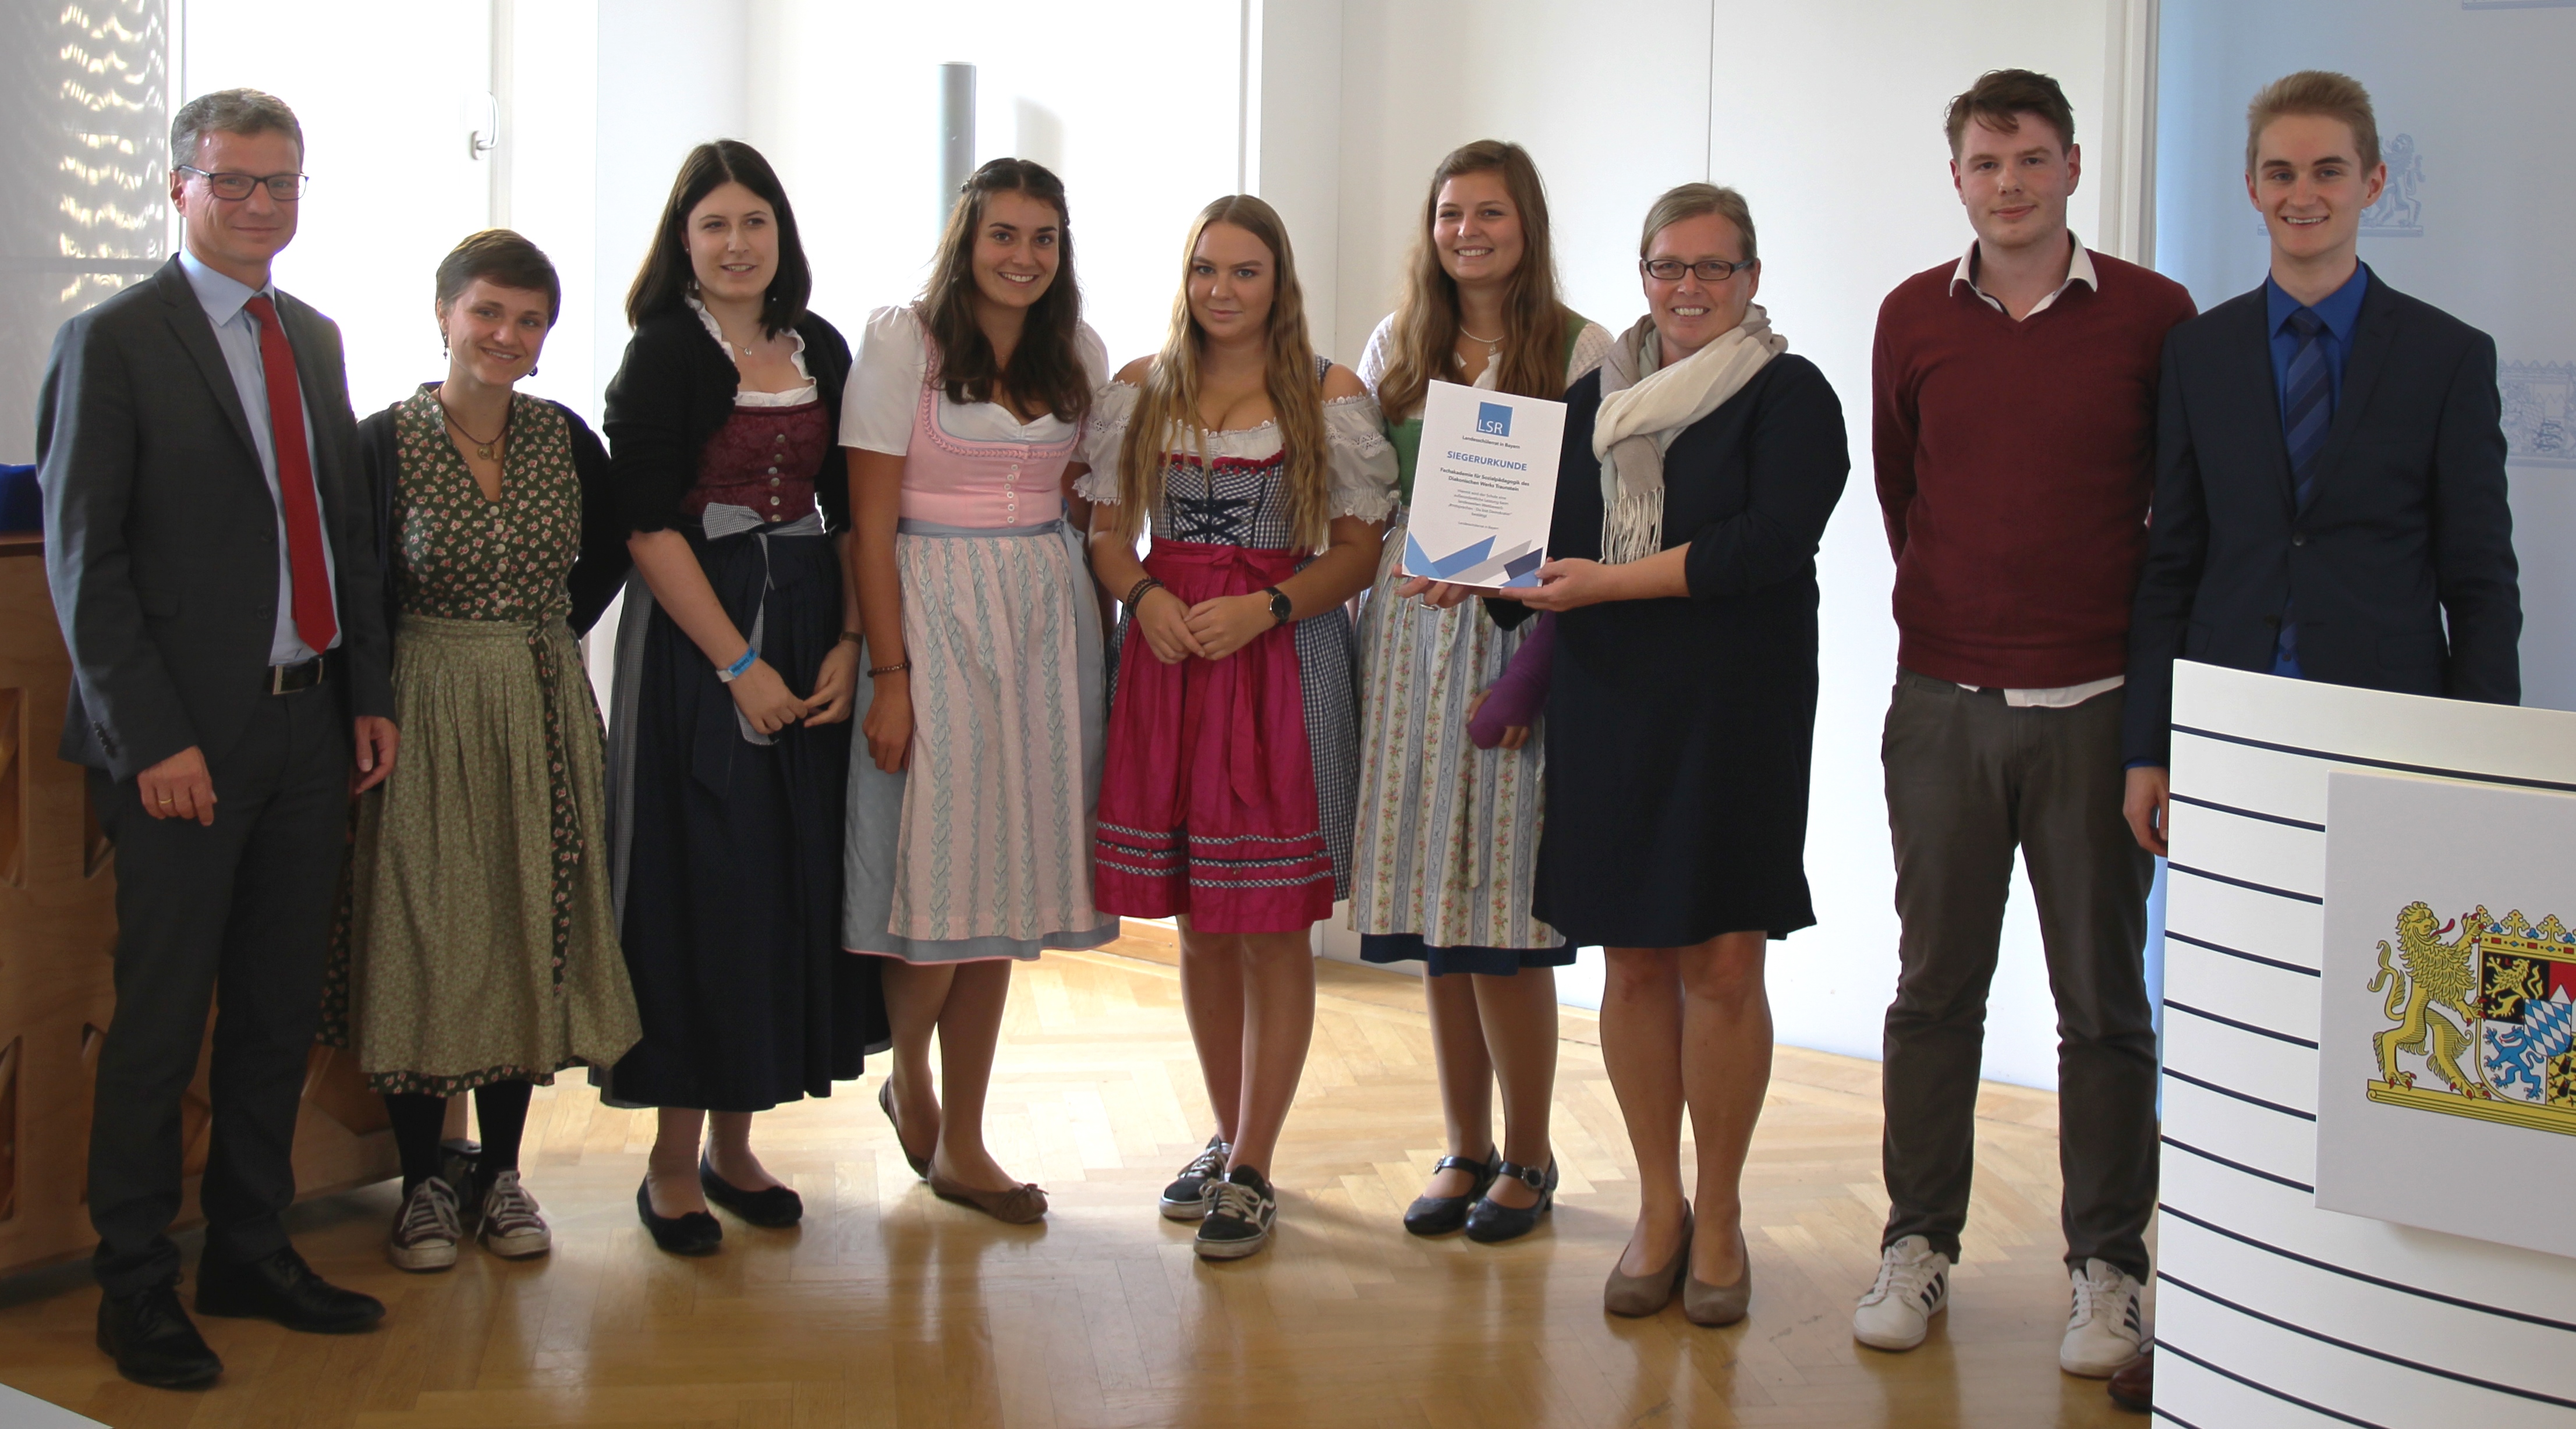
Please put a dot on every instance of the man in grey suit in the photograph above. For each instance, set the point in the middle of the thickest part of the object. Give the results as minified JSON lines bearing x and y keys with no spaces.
{"x":212,"y":556}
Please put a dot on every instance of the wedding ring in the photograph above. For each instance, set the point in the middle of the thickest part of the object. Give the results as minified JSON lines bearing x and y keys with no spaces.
{"x":165,"y":799}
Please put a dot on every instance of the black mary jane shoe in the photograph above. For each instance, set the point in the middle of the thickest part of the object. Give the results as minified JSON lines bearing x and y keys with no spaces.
{"x":1439,"y":1215}
{"x":280,"y":1286}
{"x":696,"y":1233}
{"x":1489,"y":1221}
{"x":774,"y":1208}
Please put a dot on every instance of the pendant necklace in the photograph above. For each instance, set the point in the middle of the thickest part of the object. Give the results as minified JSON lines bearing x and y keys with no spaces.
{"x":1493,"y":345}
{"x":482,"y":449}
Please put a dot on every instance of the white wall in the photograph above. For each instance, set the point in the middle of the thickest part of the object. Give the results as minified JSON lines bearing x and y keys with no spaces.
{"x":672,"y":74}
{"x":1135,"y":106}
{"x":393,"y":184}
{"x":1827,"y":114}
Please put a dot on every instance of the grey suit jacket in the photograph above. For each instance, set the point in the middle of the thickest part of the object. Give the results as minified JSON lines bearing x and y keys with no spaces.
{"x":161,"y":535}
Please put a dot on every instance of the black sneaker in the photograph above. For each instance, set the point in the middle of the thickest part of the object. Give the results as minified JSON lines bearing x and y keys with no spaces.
{"x":1241,"y":1211}
{"x":1186,"y":1199}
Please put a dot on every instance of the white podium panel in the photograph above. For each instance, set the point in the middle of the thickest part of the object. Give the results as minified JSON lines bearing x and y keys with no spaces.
{"x":2271,"y":1311}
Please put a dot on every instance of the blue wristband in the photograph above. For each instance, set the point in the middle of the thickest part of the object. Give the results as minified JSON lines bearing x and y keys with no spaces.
{"x":733,"y":672}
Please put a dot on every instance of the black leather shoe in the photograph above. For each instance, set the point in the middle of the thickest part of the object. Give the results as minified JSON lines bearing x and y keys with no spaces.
{"x":281,"y":1287}
{"x":1489,"y":1220}
{"x":693,"y":1234}
{"x":2133,"y":1385}
{"x":1439,"y":1215}
{"x":775,"y":1207}
{"x":153,"y":1341}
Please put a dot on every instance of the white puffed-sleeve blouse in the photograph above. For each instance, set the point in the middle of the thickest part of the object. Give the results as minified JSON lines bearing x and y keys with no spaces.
{"x":1358,"y":461}
{"x":885,"y":387}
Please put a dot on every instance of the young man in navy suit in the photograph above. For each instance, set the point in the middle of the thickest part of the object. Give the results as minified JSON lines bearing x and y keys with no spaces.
{"x":2330,"y":487}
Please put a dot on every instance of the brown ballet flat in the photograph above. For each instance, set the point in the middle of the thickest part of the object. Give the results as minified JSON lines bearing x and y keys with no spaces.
{"x":885,"y":1103}
{"x":1719,"y":1305}
{"x":1023,"y":1204}
{"x":1636,"y":1296}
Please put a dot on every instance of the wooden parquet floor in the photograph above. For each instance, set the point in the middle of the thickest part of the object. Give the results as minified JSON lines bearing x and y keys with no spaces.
{"x":891,"y":1308}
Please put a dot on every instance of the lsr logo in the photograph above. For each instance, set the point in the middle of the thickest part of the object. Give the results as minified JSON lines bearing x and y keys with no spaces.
{"x":1493,"y":419}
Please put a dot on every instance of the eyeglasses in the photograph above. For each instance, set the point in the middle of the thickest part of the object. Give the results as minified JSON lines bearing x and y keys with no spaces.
{"x":285,"y":188}
{"x":1710,"y":270}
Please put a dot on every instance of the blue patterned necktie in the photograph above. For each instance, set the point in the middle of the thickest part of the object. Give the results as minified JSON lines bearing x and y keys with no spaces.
{"x":2307,"y":412}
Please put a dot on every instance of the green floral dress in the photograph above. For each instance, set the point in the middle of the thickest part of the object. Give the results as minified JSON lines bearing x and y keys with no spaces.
{"x":482,"y":945}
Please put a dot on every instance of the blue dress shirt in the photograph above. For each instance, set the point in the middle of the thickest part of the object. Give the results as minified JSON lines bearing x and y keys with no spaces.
{"x":237,"y":333}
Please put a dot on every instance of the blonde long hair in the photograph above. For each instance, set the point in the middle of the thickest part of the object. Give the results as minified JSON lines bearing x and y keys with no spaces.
{"x":1420,"y":349}
{"x":1168,"y":406}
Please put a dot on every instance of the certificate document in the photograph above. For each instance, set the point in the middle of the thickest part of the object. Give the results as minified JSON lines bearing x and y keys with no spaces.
{"x":1484,"y":486}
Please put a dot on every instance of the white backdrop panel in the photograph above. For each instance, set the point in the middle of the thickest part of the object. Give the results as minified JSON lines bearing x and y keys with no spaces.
{"x":2276,"y":1312}
{"x":2473,"y":101}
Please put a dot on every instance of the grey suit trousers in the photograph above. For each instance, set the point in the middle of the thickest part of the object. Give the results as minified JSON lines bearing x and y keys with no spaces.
{"x":1969,"y":779}
{"x":235,"y":915}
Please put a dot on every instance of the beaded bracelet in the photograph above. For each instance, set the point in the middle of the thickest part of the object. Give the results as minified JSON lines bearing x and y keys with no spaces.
{"x":1137,"y":591}
{"x":897,"y":668}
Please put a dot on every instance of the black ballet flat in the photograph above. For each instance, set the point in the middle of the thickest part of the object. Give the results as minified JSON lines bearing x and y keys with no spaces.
{"x":1439,"y":1215}
{"x":774,"y":1208}
{"x":1490,"y":1221}
{"x":696,"y":1233}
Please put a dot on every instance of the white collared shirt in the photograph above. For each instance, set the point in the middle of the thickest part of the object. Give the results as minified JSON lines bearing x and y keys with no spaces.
{"x":2079,"y":269}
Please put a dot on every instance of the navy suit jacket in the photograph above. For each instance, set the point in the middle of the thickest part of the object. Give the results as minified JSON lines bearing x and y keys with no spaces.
{"x":161,"y":537}
{"x":2402,"y":560}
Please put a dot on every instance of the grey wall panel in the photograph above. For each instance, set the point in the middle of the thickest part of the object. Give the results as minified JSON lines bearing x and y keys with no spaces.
{"x":2242,"y":1132}
{"x":2283,"y":929}
{"x":2222,"y":1056}
{"x":2421,"y":1266}
{"x":2459,"y":1338}
{"x":2379,"y":1388}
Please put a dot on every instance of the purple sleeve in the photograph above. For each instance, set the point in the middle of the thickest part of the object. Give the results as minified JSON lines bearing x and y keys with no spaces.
{"x":1522,"y":691}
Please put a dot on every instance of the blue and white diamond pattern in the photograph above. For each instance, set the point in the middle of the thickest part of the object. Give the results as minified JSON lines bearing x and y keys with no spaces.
{"x":2517,"y":1058}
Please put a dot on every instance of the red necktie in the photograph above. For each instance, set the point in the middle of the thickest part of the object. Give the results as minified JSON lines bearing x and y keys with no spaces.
{"x":308,"y":573}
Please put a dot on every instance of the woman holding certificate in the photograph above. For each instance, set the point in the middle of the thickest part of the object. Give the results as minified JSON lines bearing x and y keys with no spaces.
{"x":1701,"y":464}
{"x":1447,"y":848}
{"x":1225,"y":798}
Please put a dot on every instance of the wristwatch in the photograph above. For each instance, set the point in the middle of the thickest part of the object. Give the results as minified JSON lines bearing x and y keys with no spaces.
{"x":1282,"y":609}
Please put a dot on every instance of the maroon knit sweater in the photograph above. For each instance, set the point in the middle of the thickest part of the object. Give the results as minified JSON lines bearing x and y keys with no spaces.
{"x":2015,"y":464}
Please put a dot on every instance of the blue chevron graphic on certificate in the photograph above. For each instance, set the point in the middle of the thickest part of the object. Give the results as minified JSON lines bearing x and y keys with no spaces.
{"x":1484,"y":487}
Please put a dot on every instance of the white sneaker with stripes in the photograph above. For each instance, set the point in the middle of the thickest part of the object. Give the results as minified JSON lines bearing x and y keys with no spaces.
{"x":2107,"y":1326}
{"x":1913,"y":1286}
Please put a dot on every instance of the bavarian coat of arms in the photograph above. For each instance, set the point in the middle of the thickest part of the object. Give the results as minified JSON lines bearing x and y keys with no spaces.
{"x":2485,"y":1021}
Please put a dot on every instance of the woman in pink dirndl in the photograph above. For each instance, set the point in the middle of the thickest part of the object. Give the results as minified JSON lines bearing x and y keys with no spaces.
{"x":1264,"y":477}
{"x":969,"y":835}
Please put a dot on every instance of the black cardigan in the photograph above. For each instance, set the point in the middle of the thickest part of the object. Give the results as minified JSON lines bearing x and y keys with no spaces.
{"x":596,"y":572}
{"x":675,"y":390}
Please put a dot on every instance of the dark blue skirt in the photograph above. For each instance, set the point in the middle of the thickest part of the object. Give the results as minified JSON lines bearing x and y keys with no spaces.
{"x":732,"y":913}
{"x":1490,"y":962}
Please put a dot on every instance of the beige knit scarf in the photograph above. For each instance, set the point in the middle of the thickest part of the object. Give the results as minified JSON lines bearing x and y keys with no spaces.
{"x":1644,"y":407}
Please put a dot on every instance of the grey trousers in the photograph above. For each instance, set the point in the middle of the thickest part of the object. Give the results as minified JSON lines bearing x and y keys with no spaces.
{"x":1969,"y":779}
{"x":238,"y":913}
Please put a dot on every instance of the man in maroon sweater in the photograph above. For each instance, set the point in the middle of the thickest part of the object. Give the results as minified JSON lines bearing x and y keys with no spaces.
{"x":2014,"y":432}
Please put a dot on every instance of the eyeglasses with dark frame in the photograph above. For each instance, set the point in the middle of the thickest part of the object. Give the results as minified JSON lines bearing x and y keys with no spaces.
{"x":233,"y":188}
{"x":1710,"y":270}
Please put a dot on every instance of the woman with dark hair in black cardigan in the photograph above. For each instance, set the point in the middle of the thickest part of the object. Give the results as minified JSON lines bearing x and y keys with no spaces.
{"x":729,"y":742}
